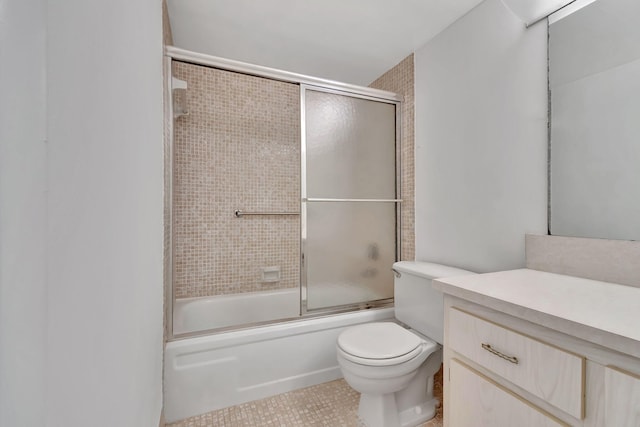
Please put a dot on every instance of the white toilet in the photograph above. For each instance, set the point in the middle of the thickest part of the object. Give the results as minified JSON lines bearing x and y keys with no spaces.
{"x":391,"y":366}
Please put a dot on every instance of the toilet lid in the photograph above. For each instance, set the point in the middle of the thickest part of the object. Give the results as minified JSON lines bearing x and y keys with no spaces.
{"x":380,"y":340}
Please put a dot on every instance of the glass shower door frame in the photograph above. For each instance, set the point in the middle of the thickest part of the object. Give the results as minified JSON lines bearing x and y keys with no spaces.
{"x":320,"y":84}
{"x":305,"y":200}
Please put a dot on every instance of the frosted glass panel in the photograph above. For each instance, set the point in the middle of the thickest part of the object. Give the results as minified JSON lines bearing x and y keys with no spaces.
{"x":350,"y":146}
{"x":350,"y":249}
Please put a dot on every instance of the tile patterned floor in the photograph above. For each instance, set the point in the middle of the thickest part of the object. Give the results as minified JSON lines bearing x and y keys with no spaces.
{"x":330,"y":404}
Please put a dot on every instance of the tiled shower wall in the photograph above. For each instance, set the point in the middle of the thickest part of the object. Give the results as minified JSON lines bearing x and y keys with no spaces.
{"x":400,"y":80}
{"x":167,"y":34}
{"x":238,"y":148}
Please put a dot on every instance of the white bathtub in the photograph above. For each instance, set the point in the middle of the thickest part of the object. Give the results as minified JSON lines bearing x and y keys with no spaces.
{"x":205,"y":313}
{"x":206,"y":373}
{"x":201,"y":314}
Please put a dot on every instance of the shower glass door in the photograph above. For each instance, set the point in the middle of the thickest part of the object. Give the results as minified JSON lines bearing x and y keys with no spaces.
{"x":350,"y":201}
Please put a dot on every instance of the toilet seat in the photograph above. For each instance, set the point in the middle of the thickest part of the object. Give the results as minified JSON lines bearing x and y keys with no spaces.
{"x":380,"y":344}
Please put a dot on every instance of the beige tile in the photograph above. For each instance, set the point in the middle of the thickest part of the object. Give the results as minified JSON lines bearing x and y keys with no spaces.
{"x":330,"y":404}
{"x":400,"y":79}
{"x":167,"y":35}
{"x":238,"y":148}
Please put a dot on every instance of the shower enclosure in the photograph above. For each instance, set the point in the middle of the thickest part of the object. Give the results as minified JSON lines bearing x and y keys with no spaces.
{"x":285,"y":195}
{"x":349,"y":199}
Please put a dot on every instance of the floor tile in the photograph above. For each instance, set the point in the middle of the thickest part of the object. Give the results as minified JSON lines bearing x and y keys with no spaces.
{"x":330,"y":404}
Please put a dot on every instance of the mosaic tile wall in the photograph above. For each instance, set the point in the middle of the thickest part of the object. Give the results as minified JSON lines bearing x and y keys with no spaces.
{"x":400,"y":79}
{"x":238,"y":148}
{"x":167,"y":35}
{"x":250,"y":160}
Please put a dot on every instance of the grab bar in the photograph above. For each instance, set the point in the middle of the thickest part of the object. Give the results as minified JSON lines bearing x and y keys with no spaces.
{"x":238,"y":213}
{"x":309,"y":199}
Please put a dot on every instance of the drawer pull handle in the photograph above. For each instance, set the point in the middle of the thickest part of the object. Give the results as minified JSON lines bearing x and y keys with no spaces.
{"x":491,"y":350}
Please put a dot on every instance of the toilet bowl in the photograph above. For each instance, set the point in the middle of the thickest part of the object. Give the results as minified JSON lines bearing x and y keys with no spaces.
{"x":392,"y":366}
{"x":379,"y":360}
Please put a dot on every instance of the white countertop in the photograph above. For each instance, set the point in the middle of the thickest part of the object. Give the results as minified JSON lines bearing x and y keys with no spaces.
{"x":603,"y":313}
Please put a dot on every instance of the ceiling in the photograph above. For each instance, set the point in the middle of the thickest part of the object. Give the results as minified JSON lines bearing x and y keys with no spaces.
{"x":353,"y":41}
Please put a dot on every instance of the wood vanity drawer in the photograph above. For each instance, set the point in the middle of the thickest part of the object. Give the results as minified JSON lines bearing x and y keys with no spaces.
{"x":481,"y":402}
{"x":622,"y":398}
{"x":545,"y":371}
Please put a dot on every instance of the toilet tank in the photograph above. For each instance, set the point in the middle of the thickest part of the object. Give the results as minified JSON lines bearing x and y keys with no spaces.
{"x":417,"y":303}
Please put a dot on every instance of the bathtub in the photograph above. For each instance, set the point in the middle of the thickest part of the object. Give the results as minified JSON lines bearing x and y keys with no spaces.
{"x":204,"y":313}
{"x":210,"y":372}
{"x":201,"y":314}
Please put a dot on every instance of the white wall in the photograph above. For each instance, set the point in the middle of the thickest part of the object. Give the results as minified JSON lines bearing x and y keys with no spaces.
{"x":105,"y":208}
{"x":481,"y":140}
{"x":22,"y":212}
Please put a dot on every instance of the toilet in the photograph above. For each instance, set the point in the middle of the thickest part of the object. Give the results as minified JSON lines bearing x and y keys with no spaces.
{"x":392,"y":366}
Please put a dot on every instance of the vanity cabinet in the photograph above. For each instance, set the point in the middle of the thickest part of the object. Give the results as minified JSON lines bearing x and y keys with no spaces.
{"x":550,"y":373}
{"x":486,"y":403}
{"x":622,"y":398}
{"x":524,"y":364}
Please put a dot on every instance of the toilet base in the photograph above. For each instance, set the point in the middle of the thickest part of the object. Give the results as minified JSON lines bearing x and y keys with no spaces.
{"x":407,"y":407}
{"x":378,"y":410}
{"x":419,"y":414}
{"x":381,"y":411}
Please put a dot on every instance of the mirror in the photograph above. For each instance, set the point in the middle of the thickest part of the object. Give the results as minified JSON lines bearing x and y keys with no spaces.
{"x":594,"y":82}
